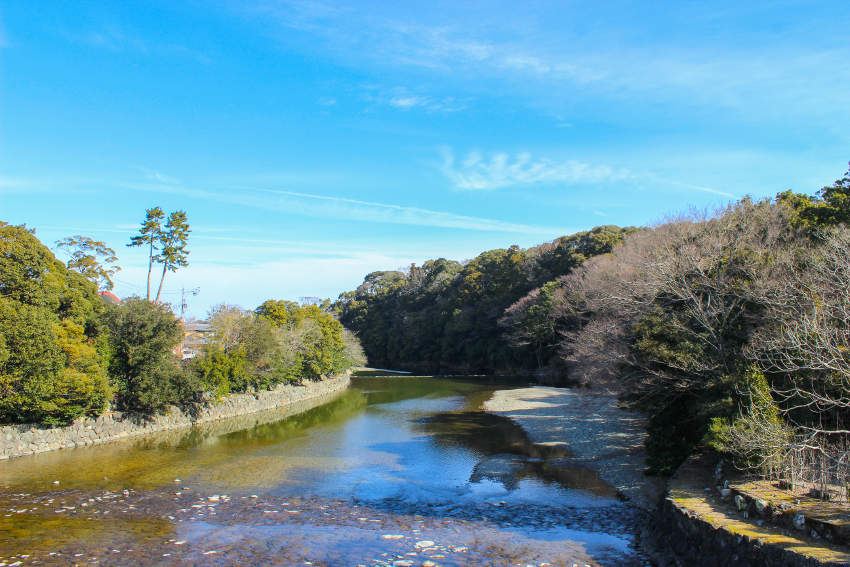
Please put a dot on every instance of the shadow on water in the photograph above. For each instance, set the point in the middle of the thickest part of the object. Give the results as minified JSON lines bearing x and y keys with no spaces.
{"x":508,"y":454}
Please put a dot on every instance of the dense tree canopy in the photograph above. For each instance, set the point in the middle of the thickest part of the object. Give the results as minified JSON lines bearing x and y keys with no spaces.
{"x":51,"y":370}
{"x":443,"y":315}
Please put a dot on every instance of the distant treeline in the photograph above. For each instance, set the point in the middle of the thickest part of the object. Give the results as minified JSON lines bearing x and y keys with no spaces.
{"x":731,"y":329}
{"x":66,"y":353}
{"x":444,"y":316}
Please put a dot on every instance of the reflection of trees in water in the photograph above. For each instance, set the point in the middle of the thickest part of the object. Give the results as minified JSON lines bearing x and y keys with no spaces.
{"x":399,"y":388}
{"x":337,"y":411}
{"x":157,"y":459}
{"x":260,"y":427}
{"x":508,"y":454}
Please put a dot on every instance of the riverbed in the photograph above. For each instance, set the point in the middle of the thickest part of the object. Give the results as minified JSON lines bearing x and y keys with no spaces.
{"x":393,"y":471}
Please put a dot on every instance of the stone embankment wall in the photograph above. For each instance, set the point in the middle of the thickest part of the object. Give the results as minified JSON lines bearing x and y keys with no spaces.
{"x":19,"y":440}
{"x":696,"y":527}
{"x":695,"y":540}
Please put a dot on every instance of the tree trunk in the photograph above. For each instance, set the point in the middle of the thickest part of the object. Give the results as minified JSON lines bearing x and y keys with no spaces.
{"x":150,"y":269}
{"x":161,"y":280}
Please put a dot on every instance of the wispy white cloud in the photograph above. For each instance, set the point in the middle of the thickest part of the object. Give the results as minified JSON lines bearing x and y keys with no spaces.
{"x":117,"y":39}
{"x":325,"y":206}
{"x":478,"y":171}
{"x":756,"y":79}
{"x":403,"y":98}
{"x":498,"y":170}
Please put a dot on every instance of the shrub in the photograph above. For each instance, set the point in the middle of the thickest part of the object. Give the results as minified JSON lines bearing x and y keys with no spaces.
{"x":279,"y":342}
{"x":220,"y":372}
{"x":757,"y":438}
{"x":147,"y":375}
{"x":324,"y":351}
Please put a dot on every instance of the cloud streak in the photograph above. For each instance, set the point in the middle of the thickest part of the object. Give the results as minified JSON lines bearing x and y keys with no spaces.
{"x":757,"y":79}
{"x":324,"y":206}
{"x":477,"y":171}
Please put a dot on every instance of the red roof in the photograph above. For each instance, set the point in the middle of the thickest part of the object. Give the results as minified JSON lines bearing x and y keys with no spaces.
{"x":110,"y":297}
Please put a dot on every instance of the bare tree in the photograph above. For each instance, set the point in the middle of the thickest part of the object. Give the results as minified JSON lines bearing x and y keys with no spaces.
{"x":806,"y":345}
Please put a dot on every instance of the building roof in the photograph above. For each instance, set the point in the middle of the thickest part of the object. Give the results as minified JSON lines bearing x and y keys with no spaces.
{"x":110,"y":297}
{"x":198,"y":326}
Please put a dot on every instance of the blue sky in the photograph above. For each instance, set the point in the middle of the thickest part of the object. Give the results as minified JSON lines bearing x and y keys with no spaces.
{"x":313,"y":142}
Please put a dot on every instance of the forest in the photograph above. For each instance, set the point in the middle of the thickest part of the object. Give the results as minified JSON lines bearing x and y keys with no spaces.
{"x":730,"y":329}
{"x":451,"y":317}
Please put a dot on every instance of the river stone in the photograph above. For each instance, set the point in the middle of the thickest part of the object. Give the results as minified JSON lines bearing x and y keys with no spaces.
{"x":740,"y":503}
{"x":799,"y":521}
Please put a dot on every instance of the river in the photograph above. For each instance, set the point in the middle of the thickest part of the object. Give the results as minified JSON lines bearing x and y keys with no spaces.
{"x":400,"y":470}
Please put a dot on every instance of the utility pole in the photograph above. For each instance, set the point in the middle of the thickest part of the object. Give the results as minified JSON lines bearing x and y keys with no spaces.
{"x":184,"y":305}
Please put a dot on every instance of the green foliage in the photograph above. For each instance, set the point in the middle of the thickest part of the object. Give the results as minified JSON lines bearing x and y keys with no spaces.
{"x":167,"y":244}
{"x":92,"y":259}
{"x":279,"y":342}
{"x":756,"y":437}
{"x":532,"y":322}
{"x":220,"y":372}
{"x":325,"y":350}
{"x":280,"y":312}
{"x":173,"y":246}
{"x":149,"y":236}
{"x":835,"y":203}
{"x":444,"y":316}
{"x":830,"y":207}
{"x":50,"y":368}
{"x":143,"y":366}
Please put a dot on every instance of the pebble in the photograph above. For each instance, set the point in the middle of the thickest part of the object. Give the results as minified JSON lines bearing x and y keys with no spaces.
{"x":392,"y":536}
{"x":424,"y":543}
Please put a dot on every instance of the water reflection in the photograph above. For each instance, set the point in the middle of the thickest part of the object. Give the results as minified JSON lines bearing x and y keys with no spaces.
{"x":508,"y":455}
{"x":406,"y":453}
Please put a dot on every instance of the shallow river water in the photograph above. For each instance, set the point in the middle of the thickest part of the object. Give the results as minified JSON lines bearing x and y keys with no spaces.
{"x":394,"y":471}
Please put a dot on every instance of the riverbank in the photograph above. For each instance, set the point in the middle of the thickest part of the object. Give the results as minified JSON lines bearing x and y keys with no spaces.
{"x":595,"y":431}
{"x":691,"y":523}
{"x":21,"y":440}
